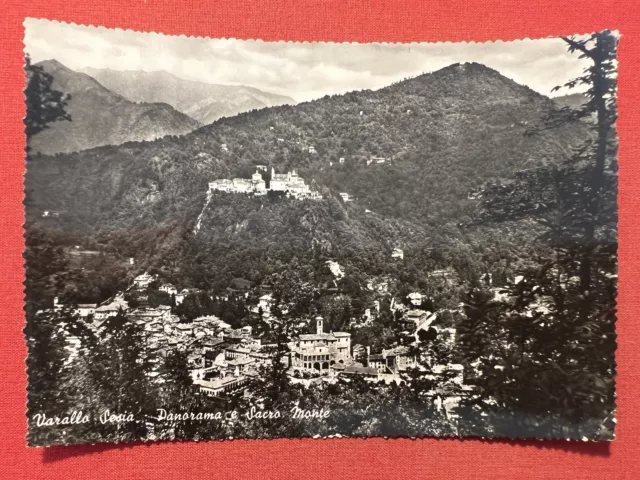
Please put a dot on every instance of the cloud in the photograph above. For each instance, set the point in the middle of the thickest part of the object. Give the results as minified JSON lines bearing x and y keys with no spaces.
{"x":302,"y":70}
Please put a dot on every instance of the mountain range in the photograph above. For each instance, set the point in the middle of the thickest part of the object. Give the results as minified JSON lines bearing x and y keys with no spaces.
{"x":102,"y":117}
{"x":202,"y":101}
{"x":410,"y":154}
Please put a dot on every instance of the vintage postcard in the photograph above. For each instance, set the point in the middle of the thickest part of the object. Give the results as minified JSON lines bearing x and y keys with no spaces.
{"x":242,"y":239}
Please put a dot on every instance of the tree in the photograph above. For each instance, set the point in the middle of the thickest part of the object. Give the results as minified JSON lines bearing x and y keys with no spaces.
{"x":176,"y":394}
{"x":120,"y":369}
{"x":45,"y":364}
{"x":195,"y":305}
{"x":45,"y":105}
{"x":561,"y":313}
{"x":292,"y":300}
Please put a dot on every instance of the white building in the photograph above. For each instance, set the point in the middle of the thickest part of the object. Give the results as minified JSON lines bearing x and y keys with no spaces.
{"x":258,"y":185}
{"x":255,"y":185}
{"x":265,"y":303}
{"x":397,"y":253}
{"x":86,"y":309}
{"x":111,"y":309}
{"x":220,"y":386}
{"x":57,"y":306}
{"x":241,"y":185}
{"x":415,"y":299}
{"x":376,"y":160}
{"x":168,"y":288}
{"x":293,"y":184}
{"x":144,"y":280}
{"x":180,"y":296}
{"x":221,"y":185}
{"x":399,"y":359}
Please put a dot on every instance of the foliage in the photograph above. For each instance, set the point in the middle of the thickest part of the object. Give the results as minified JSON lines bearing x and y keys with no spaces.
{"x":45,"y":105}
{"x":555,"y":326}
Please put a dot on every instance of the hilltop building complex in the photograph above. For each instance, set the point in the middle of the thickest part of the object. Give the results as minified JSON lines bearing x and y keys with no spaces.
{"x":290,"y":183}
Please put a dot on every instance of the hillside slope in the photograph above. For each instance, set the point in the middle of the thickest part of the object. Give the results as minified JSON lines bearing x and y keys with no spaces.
{"x":443,"y":134}
{"x":101,"y":117}
{"x":203,"y":101}
{"x":573,"y":100}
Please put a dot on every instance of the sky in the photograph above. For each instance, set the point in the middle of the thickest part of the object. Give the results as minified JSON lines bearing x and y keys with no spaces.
{"x":303,"y":71}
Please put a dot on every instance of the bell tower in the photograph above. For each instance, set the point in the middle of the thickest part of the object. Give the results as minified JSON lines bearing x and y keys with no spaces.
{"x":319,"y":325}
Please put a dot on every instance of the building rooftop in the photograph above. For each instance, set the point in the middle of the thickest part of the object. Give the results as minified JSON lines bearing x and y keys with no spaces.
{"x":239,"y":350}
{"x":323,"y":336}
{"x":359,"y":370}
{"x":240,"y":361}
{"x":115,"y":304}
{"x":218,"y":382}
{"x":398,"y":351}
{"x":148,"y":313}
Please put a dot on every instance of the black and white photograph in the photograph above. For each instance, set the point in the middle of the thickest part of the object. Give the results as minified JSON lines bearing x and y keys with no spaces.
{"x":239,"y":239}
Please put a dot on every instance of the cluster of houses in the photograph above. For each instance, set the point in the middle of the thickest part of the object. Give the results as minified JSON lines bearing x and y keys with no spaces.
{"x":223,"y":360}
{"x":290,"y":183}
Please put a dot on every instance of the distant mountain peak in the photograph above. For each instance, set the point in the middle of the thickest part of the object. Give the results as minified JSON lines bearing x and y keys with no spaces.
{"x":52,"y":63}
{"x":206,"y":102}
{"x":102,"y":117}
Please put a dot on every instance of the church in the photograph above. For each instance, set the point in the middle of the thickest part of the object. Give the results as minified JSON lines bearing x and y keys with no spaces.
{"x":317,"y":352}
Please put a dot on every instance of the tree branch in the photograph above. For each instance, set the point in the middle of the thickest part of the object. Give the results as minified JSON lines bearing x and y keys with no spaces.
{"x":578,"y":46}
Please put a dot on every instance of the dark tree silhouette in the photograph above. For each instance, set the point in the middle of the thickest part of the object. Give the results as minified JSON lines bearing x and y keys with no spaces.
{"x":45,"y":105}
{"x":561,"y":311}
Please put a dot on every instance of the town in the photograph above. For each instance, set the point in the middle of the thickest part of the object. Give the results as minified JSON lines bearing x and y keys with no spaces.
{"x":224,"y":361}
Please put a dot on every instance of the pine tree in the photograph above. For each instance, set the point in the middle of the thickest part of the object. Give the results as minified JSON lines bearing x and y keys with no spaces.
{"x":561,"y":312}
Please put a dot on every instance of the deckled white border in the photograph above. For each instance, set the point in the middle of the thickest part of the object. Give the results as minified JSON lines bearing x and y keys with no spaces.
{"x":337,"y":435}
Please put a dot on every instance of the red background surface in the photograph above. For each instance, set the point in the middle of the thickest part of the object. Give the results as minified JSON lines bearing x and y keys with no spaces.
{"x":340,"y":21}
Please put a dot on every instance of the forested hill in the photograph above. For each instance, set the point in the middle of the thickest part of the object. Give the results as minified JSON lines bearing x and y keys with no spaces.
{"x":573,"y":100}
{"x":102,"y":117}
{"x":442,"y":135}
